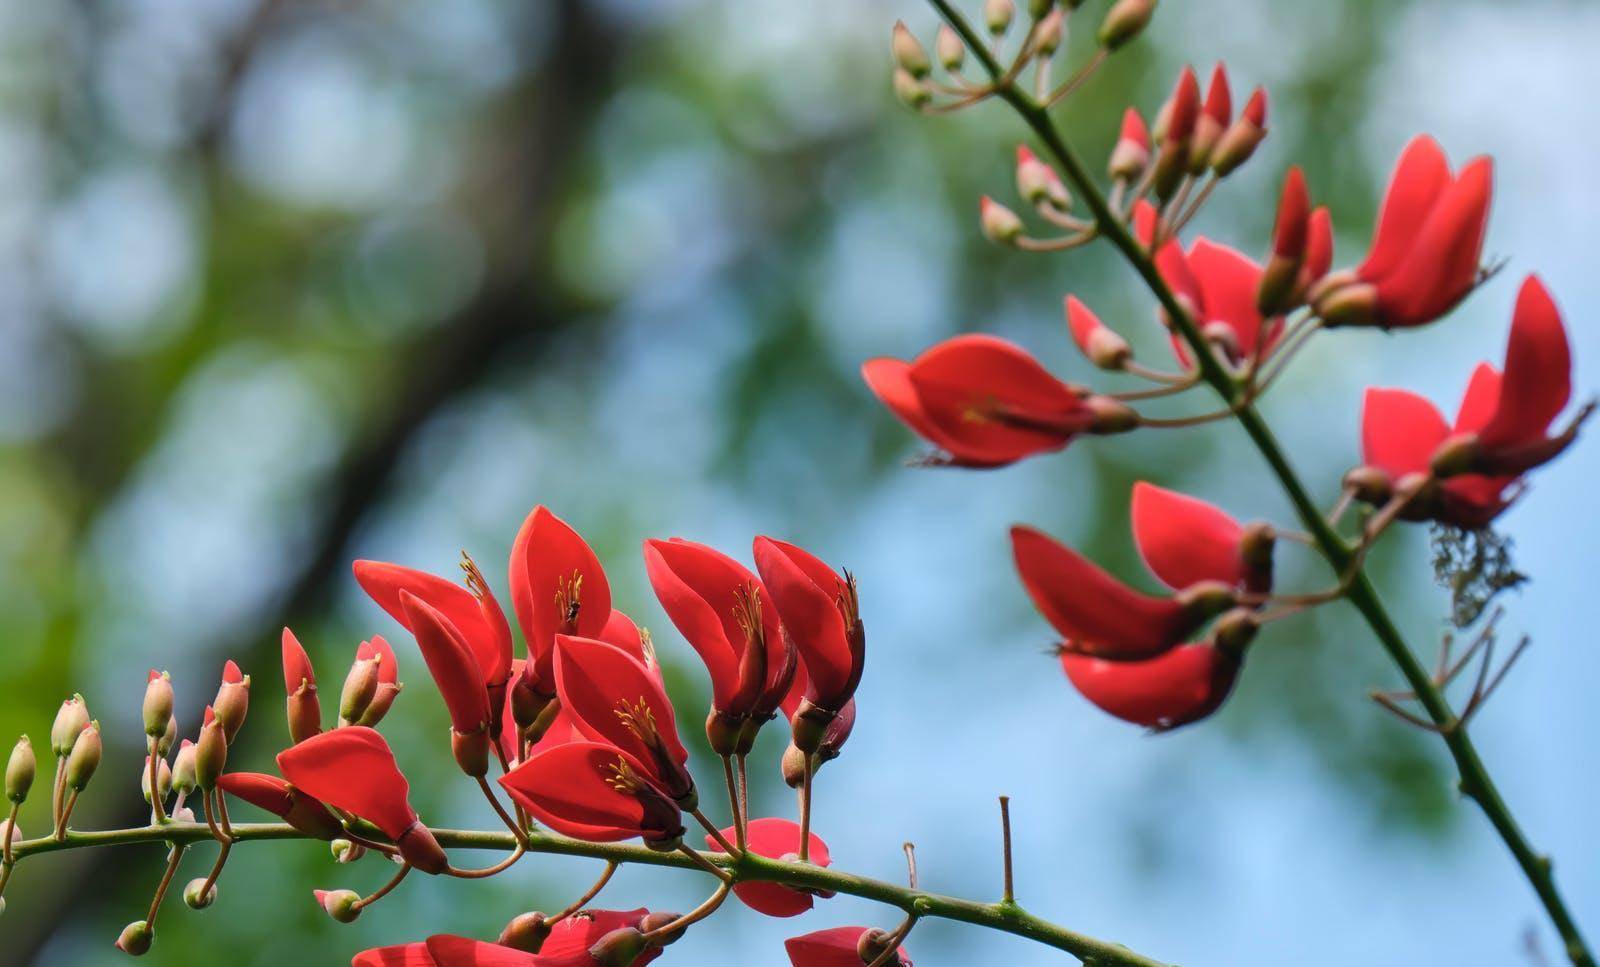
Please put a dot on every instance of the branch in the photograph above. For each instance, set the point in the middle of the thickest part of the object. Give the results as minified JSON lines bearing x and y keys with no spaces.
{"x":749,"y":867}
{"x":1341,"y":557}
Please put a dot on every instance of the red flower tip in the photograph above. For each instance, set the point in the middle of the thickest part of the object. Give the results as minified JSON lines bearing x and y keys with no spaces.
{"x":837,"y":947}
{"x":1289,"y":233}
{"x":1221,"y":285}
{"x":1319,"y":247}
{"x":388,"y":667}
{"x":820,"y":612}
{"x":1161,"y":693}
{"x":473,"y":611}
{"x":1184,"y":540}
{"x":778,"y":839}
{"x":276,"y":796}
{"x":596,"y":792}
{"x":231,"y":674}
{"x":1185,"y":107}
{"x":1219,"y":100}
{"x":1097,"y":614}
{"x":354,"y":770}
{"x":1134,"y":129}
{"x":1025,"y":156}
{"x":297,"y":670}
{"x":451,"y":663}
{"x":985,"y":401}
{"x":1255,"y":109}
{"x":208,"y":716}
{"x":1537,"y":384}
{"x":557,"y":587}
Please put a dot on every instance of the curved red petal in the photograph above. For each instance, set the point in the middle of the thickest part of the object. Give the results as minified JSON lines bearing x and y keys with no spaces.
{"x":775,"y":838}
{"x":1319,"y":247}
{"x":401,"y":955}
{"x":1420,"y":175}
{"x":1537,"y":383}
{"x":480,"y":624}
{"x":697,"y":587}
{"x":1289,"y":232}
{"x":806,"y":593}
{"x":1399,"y":431}
{"x":1441,"y":265}
{"x":1185,"y":106}
{"x":1187,"y":683}
{"x":1089,"y":607}
{"x":1229,"y":281}
{"x":451,"y":951}
{"x":566,"y":787}
{"x":834,"y":947}
{"x":1134,"y":129}
{"x":576,"y":934}
{"x":352,"y":769}
{"x":1479,"y":402}
{"x":297,"y":668}
{"x":548,"y":561}
{"x":258,"y":789}
{"x":601,"y":687}
{"x":1183,"y":539}
{"x":451,"y":664}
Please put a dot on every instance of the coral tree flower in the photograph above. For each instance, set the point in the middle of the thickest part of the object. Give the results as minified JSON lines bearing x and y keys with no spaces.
{"x":597,"y":792}
{"x":276,"y":796}
{"x":460,"y":681}
{"x":354,"y":770}
{"x":1427,"y":247}
{"x":987,"y":402}
{"x":1501,"y":429}
{"x":613,"y":697}
{"x":568,"y":945}
{"x":822,"y":616}
{"x":729,"y":619}
{"x":300,"y":685}
{"x":836,"y":947}
{"x":557,"y":588}
{"x":780,"y":840}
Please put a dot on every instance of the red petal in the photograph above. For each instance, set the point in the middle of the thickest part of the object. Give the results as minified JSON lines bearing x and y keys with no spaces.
{"x":1184,"y":540}
{"x":1480,"y":400}
{"x":1399,"y":431}
{"x":1441,"y":264}
{"x":1089,"y":607}
{"x":1294,"y":211}
{"x":1319,"y":247}
{"x":775,"y":838}
{"x":258,"y":789}
{"x":574,"y":936}
{"x":1134,"y":129}
{"x":595,"y":679}
{"x":545,"y":559}
{"x":835,"y":947}
{"x":566,"y":788}
{"x":698,"y":586}
{"x":403,"y":955}
{"x":451,"y":664}
{"x":1083,"y":323}
{"x":388,"y":667}
{"x":1255,"y":109}
{"x":1185,"y":106}
{"x":1419,"y":177}
{"x":480,"y":624}
{"x":296,"y":664}
{"x":231,"y":674}
{"x":1538,"y":376}
{"x":1229,"y":281}
{"x":1219,"y":101}
{"x":1187,"y":683}
{"x":448,"y":951}
{"x":806,"y":593}
{"x":352,"y":769}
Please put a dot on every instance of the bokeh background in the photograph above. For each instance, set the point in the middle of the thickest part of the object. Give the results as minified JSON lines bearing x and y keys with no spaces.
{"x":288,"y":282}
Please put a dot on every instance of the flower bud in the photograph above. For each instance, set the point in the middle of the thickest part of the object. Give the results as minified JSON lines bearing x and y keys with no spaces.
{"x":163,"y":779}
{"x":1242,"y":138}
{"x":1000,"y":224}
{"x":11,"y":832}
{"x":1234,"y":631}
{"x":344,"y":851}
{"x":1353,"y":304}
{"x":1124,"y":21}
{"x":342,"y":905}
{"x":136,"y":938}
{"x":71,"y":719}
{"x":164,"y":744}
{"x":210,"y":755}
{"x":183,"y":770}
{"x":998,"y":14}
{"x":793,"y":765}
{"x":526,"y":932}
{"x":84,"y":758}
{"x":908,"y":53}
{"x":1047,"y":38}
{"x":619,"y":948}
{"x":360,"y":686}
{"x":233,"y":701}
{"x":910,"y":90}
{"x":1038,"y":8}
{"x":182,"y":814}
{"x":948,"y":47}
{"x":157,"y":703}
{"x":1131,"y":154}
{"x":197,"y":895}
{"x":20,"y":770}
{"x":1038,"y":183}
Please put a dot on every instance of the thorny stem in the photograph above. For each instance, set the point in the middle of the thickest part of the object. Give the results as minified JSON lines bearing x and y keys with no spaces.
{"x":590,"y":894}
{"x":1474,"y":780}
{"x":748,"y":868}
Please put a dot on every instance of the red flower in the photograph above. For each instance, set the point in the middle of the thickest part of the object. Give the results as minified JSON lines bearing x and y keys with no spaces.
{"x":354,"y":770}
{"x":568,"y":945}
{"x":780,"y":840}
{"x":286,"y":802}
{"x":838,"y":947}
{"x":984,"y":401}
{"x":300,"y":685}
{"x":459,"y":679}
{"x":557,"y":588}
{"x":472,"y":611}
{"x":597,"y":792}
{"x":1501,"y":427}
{"x":722,"y":610}
{"x":573,"y":937}
{"x":1161,"y":693}
{"x":615,"y":698}
{"x":1426,"y":250}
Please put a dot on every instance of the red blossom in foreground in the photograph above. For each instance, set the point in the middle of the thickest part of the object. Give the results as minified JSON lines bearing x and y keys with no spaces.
{"x":557,"y":588}
{"x":1501,"y":429}
{"x":278,"y":797}
{"x":354,"y":770}
{"x":986,"y":402}
{"x":460,"y":681}
{"x":1426,"y":250}
{"x":838,"y":947}
{"x":597,"y":792}
{"x":300,"y":685}
{"x":780,"y":840}
{"x":821,"y":614}
{"x":1185,"y":684}
{"x":1302,"y":249}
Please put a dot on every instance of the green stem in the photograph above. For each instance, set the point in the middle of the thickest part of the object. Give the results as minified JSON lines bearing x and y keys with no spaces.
{"x":1474,"y":777}
{"x":746,"y":868}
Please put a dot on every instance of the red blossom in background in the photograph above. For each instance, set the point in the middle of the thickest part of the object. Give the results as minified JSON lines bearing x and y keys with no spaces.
{"x":822,"y":616}
{"x":838,"y":947}
{"x":1186,"y":683}
{"x":778,"y":839}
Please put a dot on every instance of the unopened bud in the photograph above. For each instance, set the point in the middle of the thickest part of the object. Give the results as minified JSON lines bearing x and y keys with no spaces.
{"x":344,"y":851}
{"x":948,"y":47}
{"x":1455,"y":456}
{"x":85,"y":758}
{"x":907,"y":50}
{"x":526,"y":932}
{"x":1047,"y":38}
{"x":233,"y":701}
{"x":1124,"y":21}
{"x":1038,"y":184}
{"x":342,"y":905}
{"x":998,"y":14}
{"x":1000,"y":224}
{"x":1131,"y":154}
{"x":1038,"y":8}
{"x":71,"y":719}
{"x":659,"y":919}
{"x":619,"y":948}
{"x":136,"y":938}
{"x":360,"y":685}
{"x":1110,"y":416}
{"x":157,"y":703}
{"x":210,"y":755}
{"x":1243,"y":136}
{"x":1107,"y":349}
{"x":197,"y":895}
{"x":164,"y":744}
{"x":304,"y":712}
{"x":163,"y":773}
{"x":20,"y":770}
{"x":183,"y":774}
{"x":183,"y":814}
{"x":1280,"y":281}
{"x":794,"y":767}
{"x":910,"y":90}
{"x":1370,"y":485}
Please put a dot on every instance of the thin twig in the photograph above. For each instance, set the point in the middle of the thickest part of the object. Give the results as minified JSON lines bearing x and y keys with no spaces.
{"x":384,"y":890}
{"x":1005,"y":845}
{"x":590,"y":894}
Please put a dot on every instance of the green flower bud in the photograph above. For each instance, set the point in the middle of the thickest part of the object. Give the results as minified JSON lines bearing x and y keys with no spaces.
{"x":210,"y":755}
{"x":85,"y":757}
{"x":136,"y":938}
{"x":71,"y":719}
{"x":195,"y":898}
{"x":342,"y":905}
{"x":907,"y":50}
{"x":20,"y":770}
{"x":998,"y":14}
{"x":157,"y":704}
